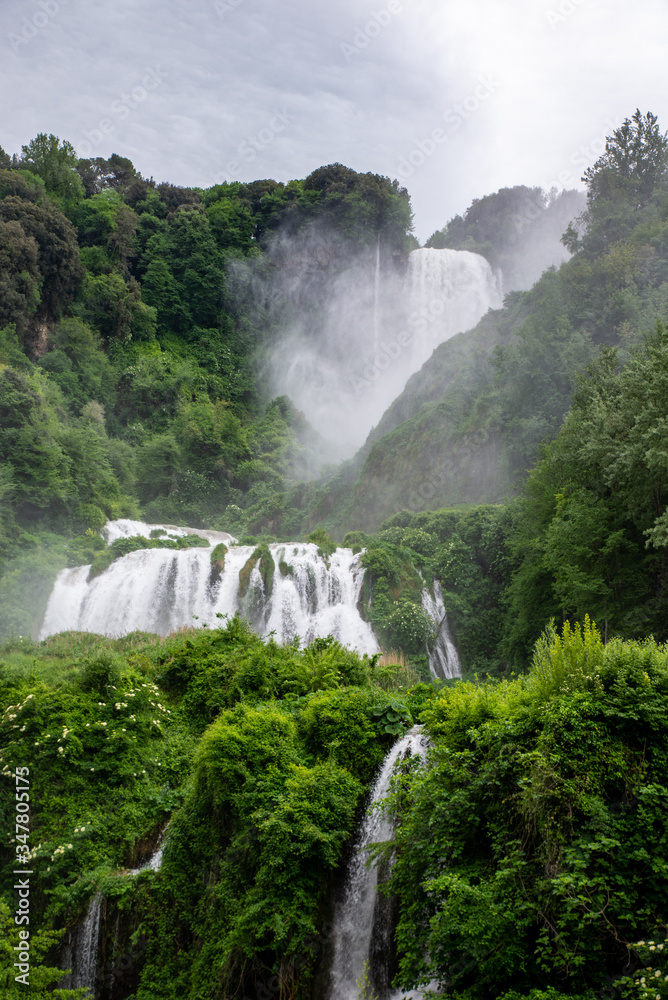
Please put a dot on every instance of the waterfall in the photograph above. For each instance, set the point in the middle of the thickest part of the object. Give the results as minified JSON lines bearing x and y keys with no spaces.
{"x":443,"y":658}
{"x":162,"y":590}
{"x":376,"y":324}
{"x":80,"y":953}
{"x":376,"y":299}
{"x":354,"y":917}
{"x":449,"y":291}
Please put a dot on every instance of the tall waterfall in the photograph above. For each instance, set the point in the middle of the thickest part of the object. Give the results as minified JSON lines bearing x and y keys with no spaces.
{"x":374,"y":328}
{"x":162,"y":590}
{"x":449,"y":291}
{"x":356,"y":917}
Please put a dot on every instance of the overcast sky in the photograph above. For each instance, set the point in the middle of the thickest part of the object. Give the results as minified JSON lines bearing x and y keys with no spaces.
{"x":456,"y":98}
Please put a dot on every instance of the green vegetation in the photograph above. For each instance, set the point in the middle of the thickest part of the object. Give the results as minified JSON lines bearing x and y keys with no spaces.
{"x":530,"y":851}
{"x":259,"y":753}
{"x":530,"y":847}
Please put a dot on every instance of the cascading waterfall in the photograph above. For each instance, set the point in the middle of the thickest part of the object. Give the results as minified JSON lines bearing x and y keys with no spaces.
{"x":80,"y":953}
{"x":376,"y":299}
{"x":375,"y":328}
{"x":443,"y":658}
{"x":355,"y":915}
{"x":162,"y":590}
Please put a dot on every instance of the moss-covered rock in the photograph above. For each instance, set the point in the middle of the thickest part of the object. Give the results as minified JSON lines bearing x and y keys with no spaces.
{"x":218,"y":562}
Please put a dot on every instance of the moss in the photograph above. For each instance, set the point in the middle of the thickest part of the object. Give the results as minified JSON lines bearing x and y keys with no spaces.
{"x":218,"y":561}
{"x":245,"y":573}
{"x":285,"y":568}
{"x":267,"y":568}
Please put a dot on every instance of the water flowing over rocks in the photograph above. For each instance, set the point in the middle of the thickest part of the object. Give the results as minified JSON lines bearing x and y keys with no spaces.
{"x":162,"y":590}
{"x":376,"y":326}
{"x":363,"y":920}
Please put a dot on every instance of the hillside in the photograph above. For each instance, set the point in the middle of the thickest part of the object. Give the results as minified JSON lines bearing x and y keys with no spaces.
{"x":470,"y":424}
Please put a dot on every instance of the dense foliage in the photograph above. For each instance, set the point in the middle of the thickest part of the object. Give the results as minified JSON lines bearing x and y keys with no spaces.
{"x":529,"y":847}
{"x":131,"y":341}
{"x":258,"y":752}
{"x":530,"y":850}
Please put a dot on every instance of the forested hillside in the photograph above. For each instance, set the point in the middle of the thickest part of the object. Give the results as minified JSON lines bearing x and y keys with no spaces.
{"x":196,"y":798}
{"x":129,"y":369}
{"x":470,"y":424}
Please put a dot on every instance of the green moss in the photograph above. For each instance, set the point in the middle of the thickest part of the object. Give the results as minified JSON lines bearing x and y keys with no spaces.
{"x":218,"y":561}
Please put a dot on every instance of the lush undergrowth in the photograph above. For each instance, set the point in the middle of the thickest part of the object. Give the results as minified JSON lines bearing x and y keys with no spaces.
{"x":529,"y":849}
{"x":259,"y":753}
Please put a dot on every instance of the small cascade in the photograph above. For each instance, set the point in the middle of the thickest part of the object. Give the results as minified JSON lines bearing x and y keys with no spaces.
{"x":154,"y":862}
{"x":443,"y":658}
{"x":356,"y":915}
{"x":80,"y":952}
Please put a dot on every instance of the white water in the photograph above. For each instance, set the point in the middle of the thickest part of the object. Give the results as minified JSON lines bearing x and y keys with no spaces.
{"x":449,"y":291}
{"x":443,"y":659}
{"x":376,"y":328}
{"x":162,"y":590}
{"x":80,"y":953}
{"x":154,"y":862}
{"x":354,"y":916}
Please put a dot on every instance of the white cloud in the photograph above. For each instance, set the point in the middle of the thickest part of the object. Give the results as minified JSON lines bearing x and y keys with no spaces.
{"x":563,"y":80}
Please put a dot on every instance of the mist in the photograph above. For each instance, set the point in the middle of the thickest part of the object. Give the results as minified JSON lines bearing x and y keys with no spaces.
{"x":347,"y":326}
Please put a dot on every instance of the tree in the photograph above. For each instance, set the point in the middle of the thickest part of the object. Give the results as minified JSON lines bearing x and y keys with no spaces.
{"x":635,"y":161}
{"x":55,"y":162}
{"x":622,"y":185}
{"x":59,"y":263}
{"x":20,"y":279}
